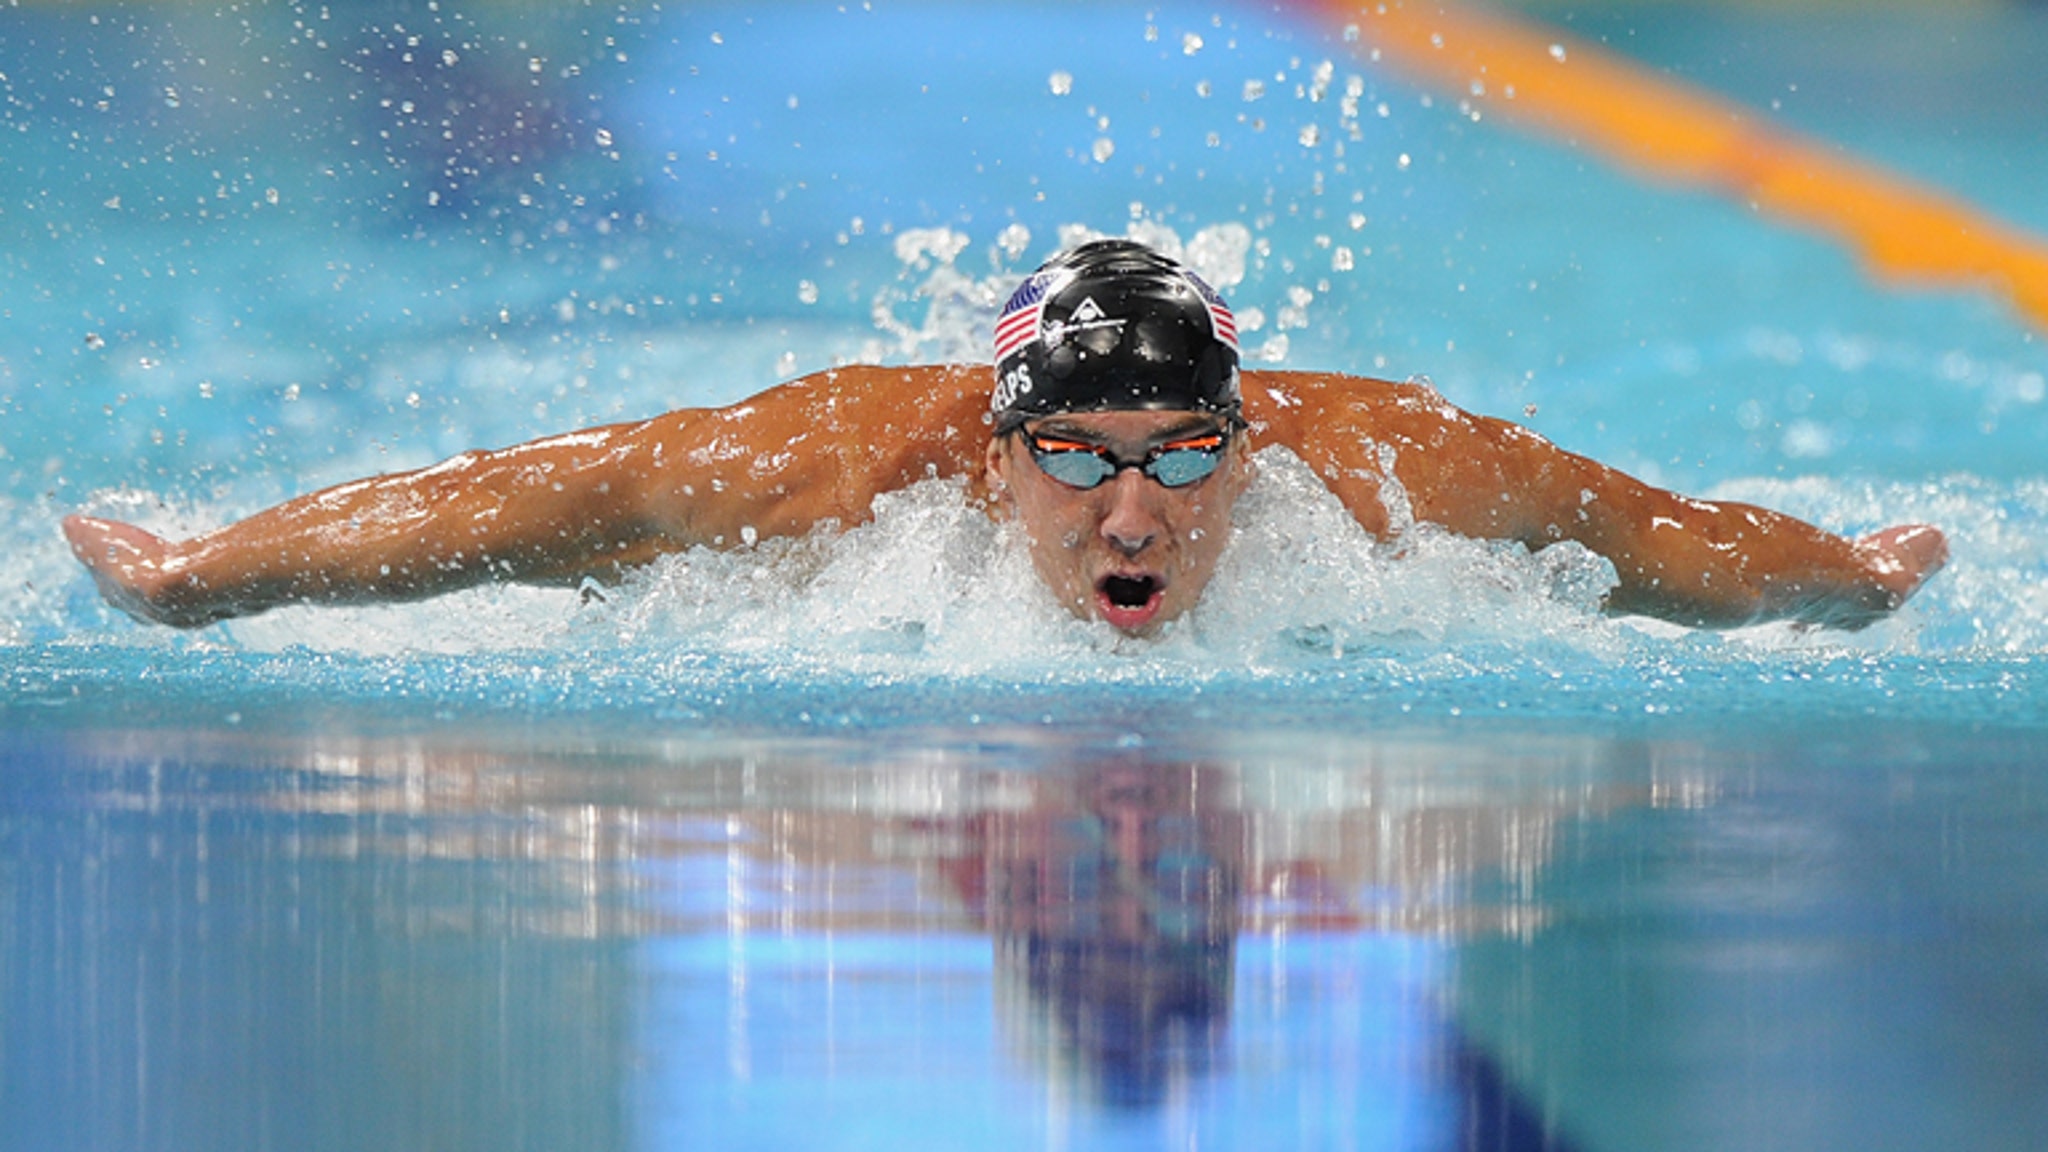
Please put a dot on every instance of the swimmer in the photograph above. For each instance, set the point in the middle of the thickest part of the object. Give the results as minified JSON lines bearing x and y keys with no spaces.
{"x":1119,"y":435}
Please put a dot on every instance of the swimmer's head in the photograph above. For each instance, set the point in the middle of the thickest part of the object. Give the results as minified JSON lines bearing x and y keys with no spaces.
{"x":1113,"y":326}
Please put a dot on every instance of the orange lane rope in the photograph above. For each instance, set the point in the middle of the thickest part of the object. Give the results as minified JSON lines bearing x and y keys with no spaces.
{"x":1904,"y":232}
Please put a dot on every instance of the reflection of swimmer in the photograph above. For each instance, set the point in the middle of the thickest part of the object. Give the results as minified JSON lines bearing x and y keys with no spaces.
{"x":1122,"y":438}
{"x":1116,"y":922}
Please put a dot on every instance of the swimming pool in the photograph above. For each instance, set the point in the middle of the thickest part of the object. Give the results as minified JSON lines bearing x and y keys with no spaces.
{"x":855,"y":842}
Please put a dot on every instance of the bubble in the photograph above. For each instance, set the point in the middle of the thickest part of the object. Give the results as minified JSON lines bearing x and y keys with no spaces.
{"x":1806,"y":440}
{"x":1061,"y":83}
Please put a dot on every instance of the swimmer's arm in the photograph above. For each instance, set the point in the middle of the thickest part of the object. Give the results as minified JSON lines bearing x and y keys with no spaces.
{"x":556,"y":511}
{"x":1694,"y":562}
{"x":550,"y":511}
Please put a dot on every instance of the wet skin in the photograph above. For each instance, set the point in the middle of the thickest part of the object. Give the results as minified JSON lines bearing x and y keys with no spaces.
{"x":1130,"y":551}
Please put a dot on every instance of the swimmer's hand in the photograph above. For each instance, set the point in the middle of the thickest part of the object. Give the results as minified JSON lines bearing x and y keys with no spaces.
{"x":138,"y":572}
{"x":1899,"y":560}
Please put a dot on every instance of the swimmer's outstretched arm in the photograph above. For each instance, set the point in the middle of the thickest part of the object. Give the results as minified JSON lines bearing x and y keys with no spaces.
{"x":1699,"y":563}
{"x":558,"y":510}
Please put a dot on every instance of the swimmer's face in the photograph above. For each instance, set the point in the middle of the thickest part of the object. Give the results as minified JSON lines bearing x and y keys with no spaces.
{"x":1130,"y":551}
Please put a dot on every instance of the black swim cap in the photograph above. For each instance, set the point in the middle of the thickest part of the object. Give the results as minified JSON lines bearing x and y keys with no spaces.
{"x":1112,"y":326}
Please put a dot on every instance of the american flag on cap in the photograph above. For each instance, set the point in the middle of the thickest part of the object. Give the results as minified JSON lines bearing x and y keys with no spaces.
{"x":1018,"y":324}
{"x":1220,"y":318}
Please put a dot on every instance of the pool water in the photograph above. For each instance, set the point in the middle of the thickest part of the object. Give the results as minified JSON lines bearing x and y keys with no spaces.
{"x":857,"y":841}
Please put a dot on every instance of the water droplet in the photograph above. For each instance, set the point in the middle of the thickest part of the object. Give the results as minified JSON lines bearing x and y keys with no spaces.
{"x":94,"y":341}
{"x":604,"y":138}
{"x":1310,"y":135}
{"x":1103,"y":150}
{"x":449,"y":58}
{"x":1253,"y":89}
{"x":1190,"y":44}
{"x":1557,"y":53}
{"x":1061,"y":82}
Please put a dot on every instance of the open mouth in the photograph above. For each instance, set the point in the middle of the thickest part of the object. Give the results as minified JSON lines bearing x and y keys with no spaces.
{"x":1129,"y":591}
{"x":1129,"y":602}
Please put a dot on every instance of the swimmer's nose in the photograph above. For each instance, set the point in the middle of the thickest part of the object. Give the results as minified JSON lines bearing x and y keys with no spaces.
{"x":1129,"y":524}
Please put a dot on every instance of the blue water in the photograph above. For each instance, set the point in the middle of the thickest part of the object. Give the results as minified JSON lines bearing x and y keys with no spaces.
{"x":857,"y":841}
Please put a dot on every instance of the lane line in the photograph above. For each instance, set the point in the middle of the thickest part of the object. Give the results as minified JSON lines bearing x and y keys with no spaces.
{"x":1905,"y":233}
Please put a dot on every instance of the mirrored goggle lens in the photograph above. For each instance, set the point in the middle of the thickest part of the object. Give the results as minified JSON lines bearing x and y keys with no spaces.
{"x":1177,"y":467}
{"x":1074,"y":467}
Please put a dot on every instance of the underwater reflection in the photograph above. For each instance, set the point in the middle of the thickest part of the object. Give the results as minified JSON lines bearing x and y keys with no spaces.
{"x":1049,"y":939}
{"x":1115,"y":909}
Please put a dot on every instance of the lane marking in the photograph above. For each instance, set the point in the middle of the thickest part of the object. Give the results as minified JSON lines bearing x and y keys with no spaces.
{"x":1905,"y":233}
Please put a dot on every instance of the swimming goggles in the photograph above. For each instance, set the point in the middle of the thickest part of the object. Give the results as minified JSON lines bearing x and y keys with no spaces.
{"x":1175,"y":464}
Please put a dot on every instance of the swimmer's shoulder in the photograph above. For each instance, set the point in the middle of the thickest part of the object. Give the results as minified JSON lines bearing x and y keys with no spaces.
{"x":1282,"y":398}
{"x":938,"y":391}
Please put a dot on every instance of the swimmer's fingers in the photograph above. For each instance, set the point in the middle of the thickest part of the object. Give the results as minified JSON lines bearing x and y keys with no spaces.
{"x":1901,"y":558}
{"x":1891,"y":565}
{"x":133,"y":570}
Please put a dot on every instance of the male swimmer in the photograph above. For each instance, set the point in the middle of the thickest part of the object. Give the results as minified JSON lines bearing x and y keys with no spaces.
{"x":1120,"y":435}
